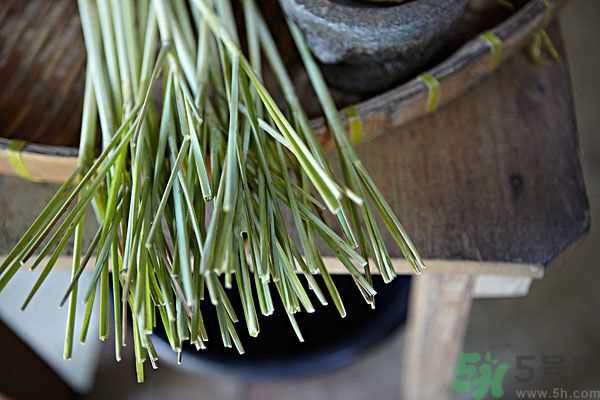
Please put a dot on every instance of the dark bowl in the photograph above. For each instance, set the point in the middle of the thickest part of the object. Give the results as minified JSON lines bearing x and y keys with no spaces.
{"x":331,"y":342}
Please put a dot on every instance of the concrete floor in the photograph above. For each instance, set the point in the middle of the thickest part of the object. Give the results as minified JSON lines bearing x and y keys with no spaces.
{"x":557,"y":321}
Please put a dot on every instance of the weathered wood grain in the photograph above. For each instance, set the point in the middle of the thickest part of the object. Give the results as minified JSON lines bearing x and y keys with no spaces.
{"x":43,"y":99}
{"x":495,"y":175}
{"x":438,"y":314}
{"x":41,"y":67}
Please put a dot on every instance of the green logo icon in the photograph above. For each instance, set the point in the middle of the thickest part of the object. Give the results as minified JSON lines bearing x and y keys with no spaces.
{"x":480,"y":376}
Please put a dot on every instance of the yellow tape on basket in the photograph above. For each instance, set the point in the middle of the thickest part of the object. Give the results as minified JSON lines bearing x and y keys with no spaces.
{"x":495,"y":45}
{"x":541,"y":41}
{"x":15,"y":148}
{"x":506,"y":4}
{"x":549,"y":11}
{"x":355,"y":124}
{"x":433,"y":86}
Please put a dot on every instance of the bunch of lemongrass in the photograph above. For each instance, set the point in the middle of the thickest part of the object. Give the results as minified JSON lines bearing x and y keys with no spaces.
{"x":191,"y":187}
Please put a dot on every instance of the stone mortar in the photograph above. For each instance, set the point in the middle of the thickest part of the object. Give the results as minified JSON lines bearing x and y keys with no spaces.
{"x":367,"y":47}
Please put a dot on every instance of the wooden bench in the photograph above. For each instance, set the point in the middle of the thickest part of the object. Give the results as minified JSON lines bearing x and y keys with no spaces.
{"x":490,"y":188}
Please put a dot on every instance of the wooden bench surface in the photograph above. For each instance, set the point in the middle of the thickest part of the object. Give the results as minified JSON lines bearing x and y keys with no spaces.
{"x":493,"y":180}
{"x":495,"y":176}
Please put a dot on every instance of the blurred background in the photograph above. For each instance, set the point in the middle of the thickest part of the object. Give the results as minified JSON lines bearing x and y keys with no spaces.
{"x":557,"y":324}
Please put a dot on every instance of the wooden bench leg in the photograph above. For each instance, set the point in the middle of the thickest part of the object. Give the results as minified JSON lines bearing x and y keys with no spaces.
{"x":438,"y":315}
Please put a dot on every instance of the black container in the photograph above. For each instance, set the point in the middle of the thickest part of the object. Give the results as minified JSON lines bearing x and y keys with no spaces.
{"x":331,"y":342}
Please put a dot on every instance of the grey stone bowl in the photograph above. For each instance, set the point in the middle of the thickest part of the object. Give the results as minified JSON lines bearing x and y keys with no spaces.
{"x":368,"y":47}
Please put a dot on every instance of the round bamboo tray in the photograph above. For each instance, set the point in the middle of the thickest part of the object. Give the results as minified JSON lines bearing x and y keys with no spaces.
{"x":42,"y":62}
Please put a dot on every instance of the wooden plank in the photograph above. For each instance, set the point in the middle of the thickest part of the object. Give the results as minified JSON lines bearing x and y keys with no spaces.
{"x":44,"y":167}
{"x":494,"y":286}
{"x":492,"y":280}
{"x":42,"y":68}
{"x":402,"y":267}
{"x":438,"y":314}
{"x":495,"y":176}
{"x":458,"y":266}
{"x":465,"y":68}
{"x":47,"y":123}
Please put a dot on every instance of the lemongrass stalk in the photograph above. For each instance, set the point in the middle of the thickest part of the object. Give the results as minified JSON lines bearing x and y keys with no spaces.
{"x":82,"y":265}
{"x":171,"y":31}
{"x":183,"y":20}
{"x":325,"y":98}
{"x":234,"y":336}
{"x":391,"y":221}
{"x":91,"y":33}
{"x":116,"y":291}
{"x":276,"y":63}
{"x":357,"y":170}
{"x":46,"y":271}
{"x":310,"y":280}
{"x":224,"y":300}
{"x":132,"y":42}
{"x":85,"y":324}
{"x":87,"y":148}
{"x":51,"y":243}
{"x":322,"y":181}
{"x":114,"y":193}
{"x":328,"y":234}
{"x":15,"y":255}
{"x":104,"y":305}
{"x":225,"y":14}
{"x":328,"y":189}
{"x":137,"y":348}
{"x":198,"y":157}
{"x":165,"y":197}
{"x":152,"y":183}
{"x":181,"y":229}
{"x":166,"y":123}
{"x":289,"y":93}
{"x":135,"y":214}
{"x":245,"y":287}
{"x":224,"y":244}
{"x":187,"y":197}
{"x":181,"y":321}
{"x":102,"y":259}
{"x":295,"y":284}
{"x":221,"y":317}
{"x":110,"y":52}
{"x":149,"y":54}
{"x":202,"y":62}
{"x":210,"y":244}
{"x":140,"y":287}
{"x":71,"y":313}
{"x":72,"y":218}
{"x":231,"y":159}
{"x":117,"y":140}
{"x":143,"y":8}
{"x":196,"y":318}
{"x":138,"y":123}
{"x":184,"y":113}
{"x":125,"y":71}
{"x":152,"y":355}
{"x":291,"y":317}
{"x":164,"y":288}
{"x":298,"y":223}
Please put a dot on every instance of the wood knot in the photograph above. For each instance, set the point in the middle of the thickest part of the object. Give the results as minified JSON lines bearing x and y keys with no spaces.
{"x":516,"y":185}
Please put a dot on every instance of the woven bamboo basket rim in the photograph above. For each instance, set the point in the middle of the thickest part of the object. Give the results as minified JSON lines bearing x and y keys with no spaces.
{"x":472,"y":62}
